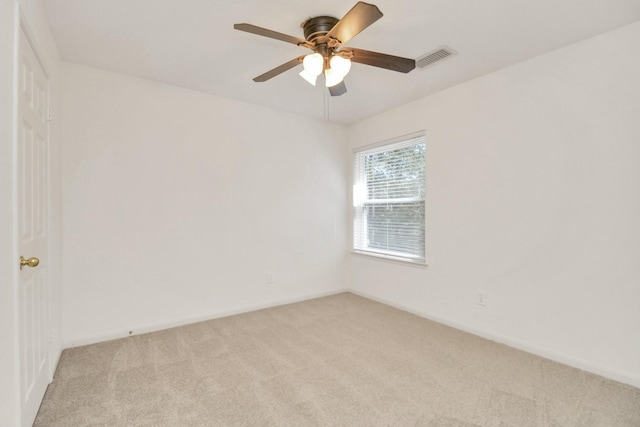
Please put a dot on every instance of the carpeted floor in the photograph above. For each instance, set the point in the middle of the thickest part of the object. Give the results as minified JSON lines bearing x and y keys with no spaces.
{"x":340,"y":360}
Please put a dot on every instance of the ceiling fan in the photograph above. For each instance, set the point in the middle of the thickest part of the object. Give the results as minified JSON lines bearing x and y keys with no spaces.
{"x":325,"y":35}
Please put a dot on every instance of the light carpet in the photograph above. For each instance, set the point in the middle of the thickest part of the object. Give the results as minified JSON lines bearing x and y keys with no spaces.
{"x":341,"y":360}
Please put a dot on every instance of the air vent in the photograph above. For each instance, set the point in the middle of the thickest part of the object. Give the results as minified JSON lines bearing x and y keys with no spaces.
{"x":435,"y":56}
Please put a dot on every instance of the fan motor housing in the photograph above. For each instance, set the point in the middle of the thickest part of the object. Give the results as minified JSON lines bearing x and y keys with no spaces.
{"x":318,"y":26}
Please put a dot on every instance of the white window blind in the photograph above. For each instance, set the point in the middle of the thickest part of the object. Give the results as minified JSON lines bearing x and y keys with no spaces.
{"x":389,"y":199}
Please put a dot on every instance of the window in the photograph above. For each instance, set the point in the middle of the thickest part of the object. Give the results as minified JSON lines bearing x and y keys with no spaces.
{"x":389,"y":199}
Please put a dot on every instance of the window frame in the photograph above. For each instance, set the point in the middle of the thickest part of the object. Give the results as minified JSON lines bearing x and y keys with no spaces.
{"x":387,"y":145}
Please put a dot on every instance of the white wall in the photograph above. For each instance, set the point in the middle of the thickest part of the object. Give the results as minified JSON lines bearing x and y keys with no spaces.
{"x":534,"y":198}
{"x":32,"y":15}
{"x":178,"y":203}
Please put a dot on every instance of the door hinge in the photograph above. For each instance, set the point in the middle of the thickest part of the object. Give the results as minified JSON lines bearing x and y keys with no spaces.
{"x":49,"y":113}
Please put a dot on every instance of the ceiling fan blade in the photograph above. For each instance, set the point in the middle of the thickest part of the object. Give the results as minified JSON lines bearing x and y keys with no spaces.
{"x":279,"y":69}
{"x":269,"y":33}
{"x":339,"y":89}
{"x":382,"y":60}
{"x":357,"y":19}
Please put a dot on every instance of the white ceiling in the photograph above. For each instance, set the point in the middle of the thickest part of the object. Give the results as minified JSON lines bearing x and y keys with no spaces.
{"x":192,"y":44}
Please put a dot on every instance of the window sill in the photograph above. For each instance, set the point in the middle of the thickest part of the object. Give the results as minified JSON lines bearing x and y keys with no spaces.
{"x":390,"y":258}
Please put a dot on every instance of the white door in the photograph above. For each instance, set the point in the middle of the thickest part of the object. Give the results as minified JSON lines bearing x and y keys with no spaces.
{"x":33,"y":298}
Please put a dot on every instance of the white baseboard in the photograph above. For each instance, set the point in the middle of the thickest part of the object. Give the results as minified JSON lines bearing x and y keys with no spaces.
{"x":610,"y":373}
{"x":158,"y":326}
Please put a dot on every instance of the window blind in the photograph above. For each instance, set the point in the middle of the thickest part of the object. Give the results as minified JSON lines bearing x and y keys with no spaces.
{"x":389,"y":199}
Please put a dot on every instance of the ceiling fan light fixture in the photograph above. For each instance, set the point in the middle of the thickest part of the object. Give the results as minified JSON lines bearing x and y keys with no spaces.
{"x":308,"y":76}
{"x":325,"y":35}
{"x":313,"y":64}
{"x":340,"y":64}
{"x":332,"y":77}
{"x":339,"y":69}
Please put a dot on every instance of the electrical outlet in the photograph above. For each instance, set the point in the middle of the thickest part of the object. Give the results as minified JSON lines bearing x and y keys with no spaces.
{"x":481,"y":299}
{"x":271,"y":277}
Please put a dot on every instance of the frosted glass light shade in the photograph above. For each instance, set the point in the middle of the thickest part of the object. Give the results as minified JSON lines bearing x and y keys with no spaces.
{"x":340,"y":64}
{"x":332,"y":77}
{"x":310,"y":77}
{"x":313,"y":65}
{"x":339,"y":69}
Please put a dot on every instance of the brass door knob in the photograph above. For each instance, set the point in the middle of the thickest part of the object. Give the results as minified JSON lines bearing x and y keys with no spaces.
{"x":31,"y":262}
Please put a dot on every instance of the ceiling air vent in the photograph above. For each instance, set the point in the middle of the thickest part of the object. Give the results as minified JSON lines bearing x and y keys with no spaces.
{"x":435,"y":56}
